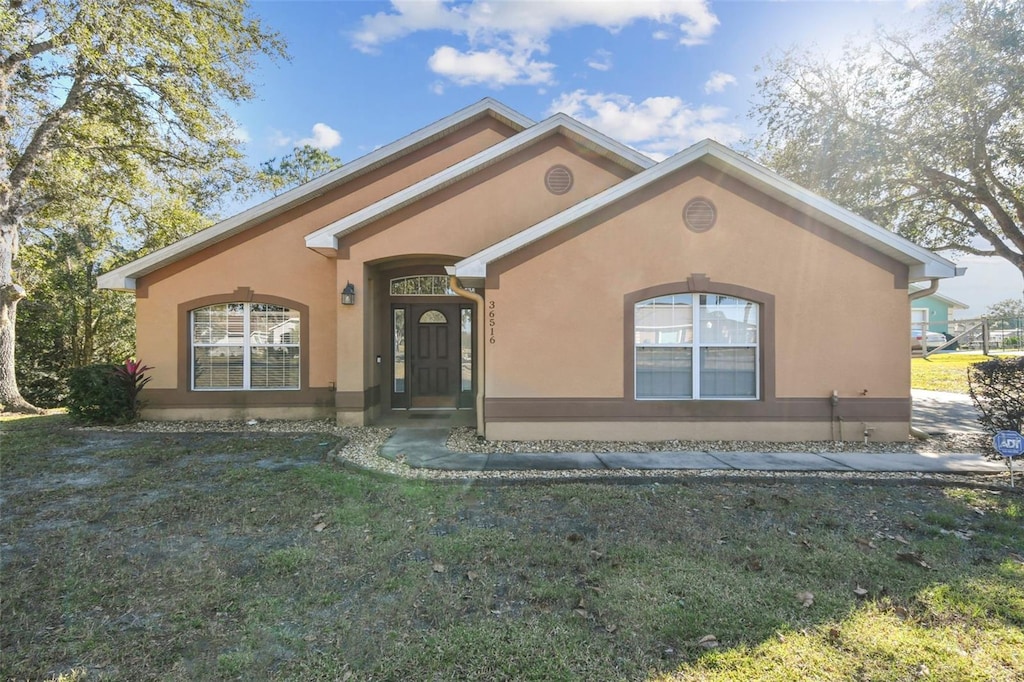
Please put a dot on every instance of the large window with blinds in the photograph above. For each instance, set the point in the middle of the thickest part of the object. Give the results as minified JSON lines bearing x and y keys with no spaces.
{"x":696,"y":347}
{"x":245,"y":346}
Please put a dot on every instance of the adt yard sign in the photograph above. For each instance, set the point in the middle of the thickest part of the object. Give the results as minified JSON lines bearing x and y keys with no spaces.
{"x":1009,"y":443}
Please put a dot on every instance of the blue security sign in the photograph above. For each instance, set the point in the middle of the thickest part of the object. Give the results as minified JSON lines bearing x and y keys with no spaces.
{"x":1009,"y":443}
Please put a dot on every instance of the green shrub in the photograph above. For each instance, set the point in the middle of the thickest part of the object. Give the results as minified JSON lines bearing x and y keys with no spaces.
{"x":997,"y":388}
{"x":106,"y":394}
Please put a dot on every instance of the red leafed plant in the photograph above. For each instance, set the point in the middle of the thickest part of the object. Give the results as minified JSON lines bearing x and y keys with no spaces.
{"x":133,"y":375}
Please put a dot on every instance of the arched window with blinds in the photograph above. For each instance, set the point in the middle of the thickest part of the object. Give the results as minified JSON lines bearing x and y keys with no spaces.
{"x":245,"y":346}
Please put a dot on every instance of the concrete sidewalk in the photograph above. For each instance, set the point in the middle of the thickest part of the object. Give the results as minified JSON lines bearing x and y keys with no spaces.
{"x":938,"y":412}
{"x":425,"y":448}
{"x":934,"y":412}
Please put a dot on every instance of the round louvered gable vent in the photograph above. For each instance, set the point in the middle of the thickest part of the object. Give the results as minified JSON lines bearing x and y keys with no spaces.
{"x":558,"y":179}
{"x":699,"y":214}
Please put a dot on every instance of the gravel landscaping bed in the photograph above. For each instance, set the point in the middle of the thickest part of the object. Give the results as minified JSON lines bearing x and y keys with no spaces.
{"x":464,"y":439}
{"x":362,"y":447}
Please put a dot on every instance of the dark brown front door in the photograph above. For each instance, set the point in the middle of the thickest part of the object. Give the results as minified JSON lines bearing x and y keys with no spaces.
{"x":434,"y":355}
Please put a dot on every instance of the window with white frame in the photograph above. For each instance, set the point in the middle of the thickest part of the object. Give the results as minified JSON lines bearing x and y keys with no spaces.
{"x":245,"y":346}
{"x":696,"y":347}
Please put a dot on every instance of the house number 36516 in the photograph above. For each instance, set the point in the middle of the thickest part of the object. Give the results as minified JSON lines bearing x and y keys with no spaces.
{"x":490,"y":322}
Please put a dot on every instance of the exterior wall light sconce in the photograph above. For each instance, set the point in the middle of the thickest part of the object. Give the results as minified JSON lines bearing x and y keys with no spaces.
{"x":348,"y":294}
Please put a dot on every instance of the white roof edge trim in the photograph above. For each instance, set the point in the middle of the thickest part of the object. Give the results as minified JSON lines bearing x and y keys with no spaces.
{"x":952,"y":302}
{"x":924,"y":263}
{"x":107,"y":281}
{"x":825,"y":206}
{"x":328,"y":235}
{"x":124,"y":277}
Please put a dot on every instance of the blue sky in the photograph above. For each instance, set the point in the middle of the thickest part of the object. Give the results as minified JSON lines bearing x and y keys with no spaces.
{"x":657,"y":75}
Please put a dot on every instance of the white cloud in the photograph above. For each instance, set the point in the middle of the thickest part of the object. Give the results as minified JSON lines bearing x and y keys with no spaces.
{"x":601,"y":61}
{"x":240,"y":134}
{"x":276,"y":138}
{"x":489,"y":67}
{"x":504,"y":38}
{"x":719,"y":81}
{"x":324,"y":137}
{"x":657,"y":126}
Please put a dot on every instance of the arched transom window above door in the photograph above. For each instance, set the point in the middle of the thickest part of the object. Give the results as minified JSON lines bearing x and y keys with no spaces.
{"x":421,"y":285}
{"x":433,"y":317}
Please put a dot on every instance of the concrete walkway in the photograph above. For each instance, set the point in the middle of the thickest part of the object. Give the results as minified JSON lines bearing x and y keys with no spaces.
{"x":938,"y":412}
{"x":934,"y":412}
{"x":425,"y":448}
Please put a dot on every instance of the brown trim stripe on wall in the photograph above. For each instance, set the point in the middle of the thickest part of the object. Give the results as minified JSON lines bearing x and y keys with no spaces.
{"x":174,"y":397}
{"x":620,"y":409}
{"x":357,"y":401}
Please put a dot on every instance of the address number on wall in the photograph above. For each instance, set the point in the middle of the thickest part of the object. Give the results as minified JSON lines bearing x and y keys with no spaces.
{"x":490,"y":322}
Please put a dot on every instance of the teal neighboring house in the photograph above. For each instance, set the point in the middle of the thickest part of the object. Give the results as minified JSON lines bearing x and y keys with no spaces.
{"x":933,"y":312}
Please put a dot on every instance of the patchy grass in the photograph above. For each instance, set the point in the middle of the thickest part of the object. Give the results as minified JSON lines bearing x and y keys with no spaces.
{"x":943,"y":371}
{"x":228,"y":556}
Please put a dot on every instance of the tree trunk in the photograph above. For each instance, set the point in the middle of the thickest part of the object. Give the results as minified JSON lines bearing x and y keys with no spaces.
{"x":10,"y":293}
{"x":10,"y":396}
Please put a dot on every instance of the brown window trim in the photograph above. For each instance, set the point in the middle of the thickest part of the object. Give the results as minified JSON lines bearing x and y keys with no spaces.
{"x":240,"y":295}
{"x":699,"y":283}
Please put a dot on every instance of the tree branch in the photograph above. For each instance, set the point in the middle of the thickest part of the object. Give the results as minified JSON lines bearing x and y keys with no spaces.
{"x":966,"y":249}
{"x":43,"y":134}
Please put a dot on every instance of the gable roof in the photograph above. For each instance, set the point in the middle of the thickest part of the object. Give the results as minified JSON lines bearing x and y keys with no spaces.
{"x":922,"y":263}
{"x":326,"y":238}
{"x":945,"y":300}
{"x":124,"y":277}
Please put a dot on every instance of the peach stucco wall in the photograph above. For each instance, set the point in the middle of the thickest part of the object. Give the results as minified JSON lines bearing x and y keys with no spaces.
{"x":840,"y":324}
{"x":456,"y":222}
{"x":271,"y":259}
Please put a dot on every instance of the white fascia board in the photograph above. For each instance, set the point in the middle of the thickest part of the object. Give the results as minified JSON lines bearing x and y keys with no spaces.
{"x":327,"y":236}
{"x":124,"y":277}
{"x":920,"y":259}
{"x":922,"y":262}
{"x":113,"y":280}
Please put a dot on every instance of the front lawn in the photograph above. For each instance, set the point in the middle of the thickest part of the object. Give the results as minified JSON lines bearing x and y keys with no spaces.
{"x":943,"y":371}
{"x":176,"y":556}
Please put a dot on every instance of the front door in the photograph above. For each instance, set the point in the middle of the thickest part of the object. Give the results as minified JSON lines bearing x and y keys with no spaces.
{"x":434,"y":362}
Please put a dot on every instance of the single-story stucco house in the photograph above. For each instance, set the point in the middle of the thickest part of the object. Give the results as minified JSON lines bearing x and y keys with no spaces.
{"x":548,"y":280}
{"x":932,"y":312}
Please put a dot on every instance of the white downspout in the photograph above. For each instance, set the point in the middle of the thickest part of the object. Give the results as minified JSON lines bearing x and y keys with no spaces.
{"x":453,"y":284}
{"x":931,"y":289}
{"x":928,"y":291}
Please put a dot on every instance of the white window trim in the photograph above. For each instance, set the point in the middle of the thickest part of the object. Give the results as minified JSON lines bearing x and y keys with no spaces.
{"x":920,"y":326}
{"x":246,"y":344}
{"x":696,"y":347}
